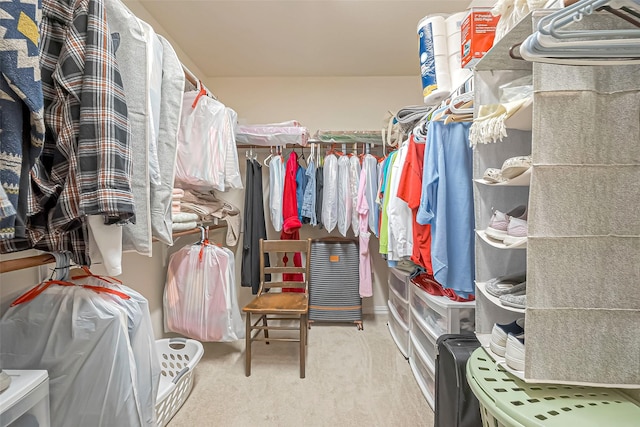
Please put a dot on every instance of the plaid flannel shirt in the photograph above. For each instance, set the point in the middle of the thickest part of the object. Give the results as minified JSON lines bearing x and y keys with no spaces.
{"x":85,"y":167}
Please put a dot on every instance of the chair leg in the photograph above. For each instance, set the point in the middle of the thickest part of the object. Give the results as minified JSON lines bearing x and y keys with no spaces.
{"x":306,"y":331}
{"x":266,"y":332}
{"x":247,"y":347}
{"x":303,"y":343}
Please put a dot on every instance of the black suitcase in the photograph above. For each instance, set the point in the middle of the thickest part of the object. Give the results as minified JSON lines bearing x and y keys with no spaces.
{"x":455,"y":403}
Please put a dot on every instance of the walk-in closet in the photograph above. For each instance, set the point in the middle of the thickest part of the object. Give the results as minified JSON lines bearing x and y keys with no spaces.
{"x":320,"y":213}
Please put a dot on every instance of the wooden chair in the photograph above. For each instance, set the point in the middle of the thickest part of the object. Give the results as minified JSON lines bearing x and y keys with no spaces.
{"x":270,"y":304}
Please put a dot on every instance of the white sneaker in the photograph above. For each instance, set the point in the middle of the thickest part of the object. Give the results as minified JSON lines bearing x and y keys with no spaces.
{"x":500,"y":332}
{"x":5,"y":381}
{"x":514,"y":354}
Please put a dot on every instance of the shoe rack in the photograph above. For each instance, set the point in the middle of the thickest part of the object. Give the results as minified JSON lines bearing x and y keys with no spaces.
{"x":583,"y":247}
{"x":493,"y":258}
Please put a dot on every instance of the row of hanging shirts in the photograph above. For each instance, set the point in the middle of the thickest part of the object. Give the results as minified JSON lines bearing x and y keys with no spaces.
{"x":326,"y":188}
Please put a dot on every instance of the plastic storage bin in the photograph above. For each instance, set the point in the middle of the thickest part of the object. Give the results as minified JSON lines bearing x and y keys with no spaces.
{"x":422,"y":337}
{"x":398,"y":281}
{"x":424,"y":373}
{"x":26,"y":401}
{"x":399,"y":331}
{"x":442,"y":315}
{"x":506,"y":401}
{"x":178,"y":358}
{"x":400,"y":305}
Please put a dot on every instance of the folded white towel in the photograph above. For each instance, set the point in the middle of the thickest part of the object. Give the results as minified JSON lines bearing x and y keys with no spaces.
{"x":184,"y":226}
{"x":185,"y":217}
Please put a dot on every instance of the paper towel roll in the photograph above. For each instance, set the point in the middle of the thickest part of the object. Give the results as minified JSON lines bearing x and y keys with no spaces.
{"x":454,"y":21}
{"x":453,"y":43}
{"x":434,"y":59}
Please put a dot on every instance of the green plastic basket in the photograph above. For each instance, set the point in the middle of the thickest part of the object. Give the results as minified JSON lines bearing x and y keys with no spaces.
{"x":507,"y":401}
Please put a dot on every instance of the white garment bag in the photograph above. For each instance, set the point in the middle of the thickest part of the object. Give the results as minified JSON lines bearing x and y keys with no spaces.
{"x":200,"y":294}
{"x":81,"y":337}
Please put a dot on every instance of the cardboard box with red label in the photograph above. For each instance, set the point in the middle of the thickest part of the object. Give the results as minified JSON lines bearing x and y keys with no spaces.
{"x":477,"y":32}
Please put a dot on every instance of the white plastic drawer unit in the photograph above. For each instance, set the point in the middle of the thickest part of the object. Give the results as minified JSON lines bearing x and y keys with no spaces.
{"x":399,"y":332}
{"x":398,"y":281}
{"x":401,"y":306}
{"x":421,"y":336}
{"x":26,"y":401}
{"x":424,"y":374}
{"x":442,"y":315}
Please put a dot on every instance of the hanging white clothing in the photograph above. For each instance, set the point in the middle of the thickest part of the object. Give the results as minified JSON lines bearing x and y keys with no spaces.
{"x":399,"y":213}
{"x":202,"y":149}
{"x":232,"y":177}
{"x":133,"y":55}
{"x":370,"y":164}
{"x":330,"y":192}
{"x":170,"y":111}
{"x":276,"y":191}
{"x":354,"y":181}
{"x":345,"y":201}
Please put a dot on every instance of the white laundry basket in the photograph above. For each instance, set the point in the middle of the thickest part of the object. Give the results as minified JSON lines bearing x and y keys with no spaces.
{"x":178,"y":358}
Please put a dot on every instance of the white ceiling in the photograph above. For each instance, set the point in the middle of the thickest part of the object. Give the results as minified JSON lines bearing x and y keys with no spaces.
{"x":298,"y":37}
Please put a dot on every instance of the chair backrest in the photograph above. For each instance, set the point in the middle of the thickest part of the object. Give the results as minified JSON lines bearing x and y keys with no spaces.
{"x":279,"y":248}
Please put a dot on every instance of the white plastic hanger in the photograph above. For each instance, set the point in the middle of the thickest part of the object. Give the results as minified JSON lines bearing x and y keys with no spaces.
{"x":552,"y":44}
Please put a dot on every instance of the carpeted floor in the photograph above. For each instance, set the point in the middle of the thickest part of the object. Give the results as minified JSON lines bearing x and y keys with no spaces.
{"x":353,"y":378}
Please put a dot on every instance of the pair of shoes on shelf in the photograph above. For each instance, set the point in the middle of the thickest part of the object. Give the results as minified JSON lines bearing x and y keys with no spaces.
{"x":506,"y":285}
{"x":507,"y":340}
{"x":511,"y":168}
{"x":500,"y":333}
{"x":510,"y":228}
{"x":517,"y":300}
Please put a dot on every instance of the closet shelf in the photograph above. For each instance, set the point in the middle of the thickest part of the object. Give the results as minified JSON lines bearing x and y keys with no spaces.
{"x":42,"y":259}
{"x":523,"y":180}
{"x":496,"y":244}
{"x":482,"y":286}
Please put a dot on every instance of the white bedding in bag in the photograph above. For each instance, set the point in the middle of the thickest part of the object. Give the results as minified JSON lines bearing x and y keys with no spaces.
{"x":80,"y":337}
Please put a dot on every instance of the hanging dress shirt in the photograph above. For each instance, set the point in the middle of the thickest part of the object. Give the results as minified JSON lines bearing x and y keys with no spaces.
{"x":370,"y":165}
{"x":86,"y":164}
{"x":134,"y":52}
{"x":170,"y":111}
{"x":354,"y":183}
{"x":309,"y":198}
{"x":276,"y":188}
{"x":330,"y":193}
{"x":447,"y":204}
{"x":384,"y":199}
{"x":400,"y":218}
{"x":345,"y":201}
{"x":410,"y":190}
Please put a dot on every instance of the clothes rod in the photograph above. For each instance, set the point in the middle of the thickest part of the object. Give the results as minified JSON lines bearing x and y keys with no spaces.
{"x":191,"y":78}
{"x":38,"y":260}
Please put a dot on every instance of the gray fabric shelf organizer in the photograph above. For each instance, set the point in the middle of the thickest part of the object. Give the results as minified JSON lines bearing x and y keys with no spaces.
{"x":583,"y":253}
{"x":334,"y":294}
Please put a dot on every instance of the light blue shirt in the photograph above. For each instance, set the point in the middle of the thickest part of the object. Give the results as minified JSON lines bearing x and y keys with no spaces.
{"x":447,"y":204}
{"x":309,"y":200}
